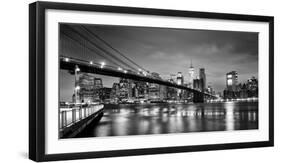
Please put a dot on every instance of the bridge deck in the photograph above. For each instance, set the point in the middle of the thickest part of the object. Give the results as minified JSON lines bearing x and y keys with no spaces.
{"x":87,"y":67}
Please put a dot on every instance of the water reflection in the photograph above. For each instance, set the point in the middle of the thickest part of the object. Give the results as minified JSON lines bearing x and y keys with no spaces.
{"x":142,"y":119}
{"x":229,"y":117}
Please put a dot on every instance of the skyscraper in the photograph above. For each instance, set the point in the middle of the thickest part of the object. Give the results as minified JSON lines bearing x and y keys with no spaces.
{"x":125,"y":91}
{"x":232,"y":81}
{"x":114,"y":94}
{"x":180,"y":78}
{"x":202,"y":76}
{"x":86,"y":87}
{"x":179,"y":82}
{"x":89,"y":88}
{"x":191,"y":74}
{"x":198,"y":84}
{"x":252,"y":87}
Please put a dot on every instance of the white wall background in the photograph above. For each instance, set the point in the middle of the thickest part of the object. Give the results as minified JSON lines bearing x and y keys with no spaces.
{"x":14,"y":80}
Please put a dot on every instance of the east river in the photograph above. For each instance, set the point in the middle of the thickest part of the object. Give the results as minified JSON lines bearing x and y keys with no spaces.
{"x":144,"y":119}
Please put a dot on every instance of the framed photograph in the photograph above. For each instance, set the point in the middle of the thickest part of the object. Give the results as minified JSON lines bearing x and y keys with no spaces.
{"x":118,"y":81}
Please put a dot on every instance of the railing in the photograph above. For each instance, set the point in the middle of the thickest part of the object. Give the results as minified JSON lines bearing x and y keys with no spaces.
{"x":70,"y":115}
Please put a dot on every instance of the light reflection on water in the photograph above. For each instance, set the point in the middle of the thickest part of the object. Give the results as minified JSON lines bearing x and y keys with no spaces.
{"x":143,"y":119}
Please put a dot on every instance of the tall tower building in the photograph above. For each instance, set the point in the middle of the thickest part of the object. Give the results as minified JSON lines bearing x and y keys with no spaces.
{"x":232,"y":81}
{"x":202,"y":76}
{"x":191,"y":74}
{"x":180,"y":78}
{"x":88,"y":88}
{"x":179,"y":82}
{"x":198,"y":84}
{"x":125,"y":88}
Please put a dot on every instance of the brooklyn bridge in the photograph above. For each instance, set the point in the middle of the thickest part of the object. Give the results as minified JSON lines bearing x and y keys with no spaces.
{"x":82,"y":50}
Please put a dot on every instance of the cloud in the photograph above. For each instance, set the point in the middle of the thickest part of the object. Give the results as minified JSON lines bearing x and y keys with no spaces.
{"x":168,"y":51}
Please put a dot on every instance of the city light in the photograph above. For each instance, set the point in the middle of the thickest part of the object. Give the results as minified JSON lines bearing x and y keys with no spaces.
{"x":77,"y":69}
{"x":66,"y":59}
{"x":230,"y":93}
{"x":214,"y":94}
{"x":77,"y":87}
{"x":144,"y":73}
{"x":102,"y":64}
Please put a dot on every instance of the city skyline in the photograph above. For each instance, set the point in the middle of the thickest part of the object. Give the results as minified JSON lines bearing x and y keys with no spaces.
{"x":218,"y":52}
{"x":121,"y":80}
{"x":235,"y":86}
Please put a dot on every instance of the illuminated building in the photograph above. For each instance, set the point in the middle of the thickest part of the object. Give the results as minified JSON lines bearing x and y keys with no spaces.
{"x":141,"y":90}
{"x":154,"y":91}
{"x":180,"y":78}
{"x":125,"y":89}
{"x":114,"y":94}
{"x":89,"y":88}
{"x":198,"y":84}
{"x":202,"y":76}
{"x":191,"y":74}
{"x":171,"y":93}
{"x":163,"y":92}
{"x":232,"y":81}
{"x":252,"y":86}
{"x":98,"y":83}
{"x":104,"y":94}
{"x":210,"y":89}
{"x":231,"y":90}
{"x":179,"y":82}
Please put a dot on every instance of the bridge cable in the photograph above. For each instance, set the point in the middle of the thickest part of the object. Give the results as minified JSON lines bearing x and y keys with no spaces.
{"x":114,"y":49}
{"x":90,"y":49}
{"x":101,"y":49}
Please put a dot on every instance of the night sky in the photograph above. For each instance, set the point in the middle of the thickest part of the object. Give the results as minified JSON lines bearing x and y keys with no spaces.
{"x":165,"y":51}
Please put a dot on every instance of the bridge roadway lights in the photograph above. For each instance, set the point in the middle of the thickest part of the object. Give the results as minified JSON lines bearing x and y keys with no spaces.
{"x":87,"y":68}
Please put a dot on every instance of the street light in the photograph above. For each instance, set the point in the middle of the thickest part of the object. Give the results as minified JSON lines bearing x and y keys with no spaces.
{"x":125,"y":71}
{"x":66,"y":59}
{"x":119,"y":68}
{"x":77,"y":88}
{"x":77,"y":69}
{"x":91,"y":62}
{"x":102,"y":64}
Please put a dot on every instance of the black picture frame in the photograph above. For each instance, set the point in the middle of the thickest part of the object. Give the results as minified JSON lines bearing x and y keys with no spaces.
{"x":37,"y":81}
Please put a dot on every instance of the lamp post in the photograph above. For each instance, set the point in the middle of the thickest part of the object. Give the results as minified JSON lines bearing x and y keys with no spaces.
{"x":77,"y":87}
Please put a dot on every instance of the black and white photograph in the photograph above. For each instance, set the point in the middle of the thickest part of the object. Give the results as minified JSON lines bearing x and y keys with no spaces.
{"x":114,"y":81}
{"x":119,"y":80}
